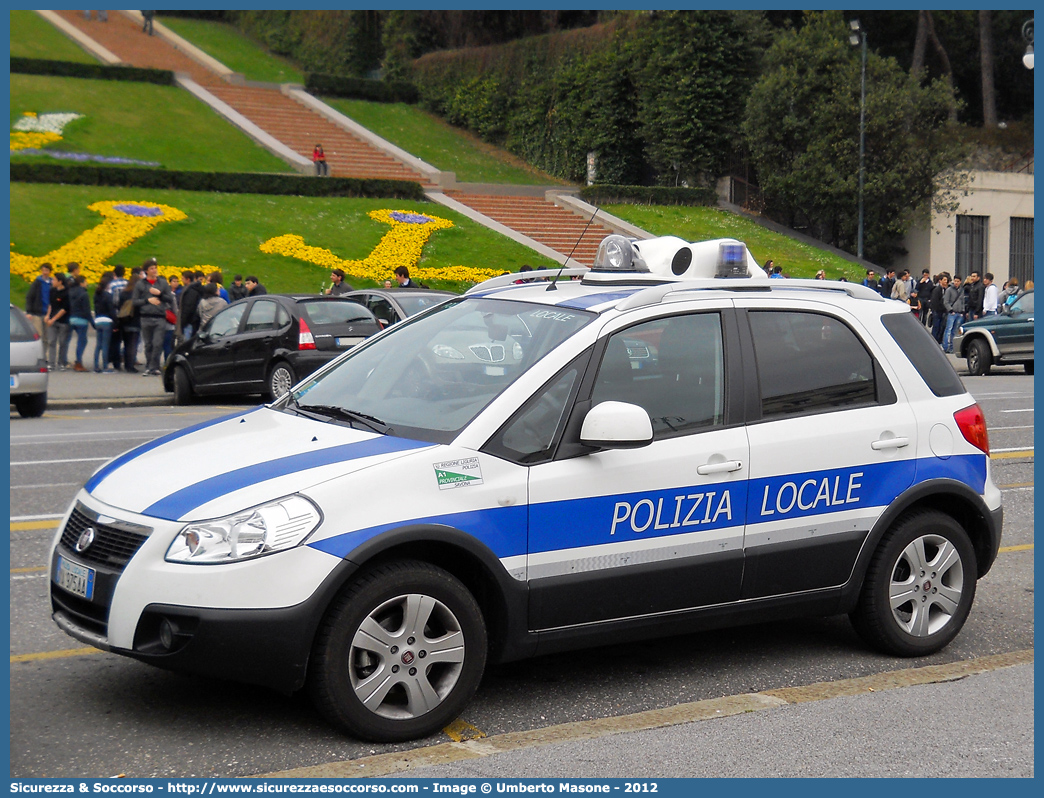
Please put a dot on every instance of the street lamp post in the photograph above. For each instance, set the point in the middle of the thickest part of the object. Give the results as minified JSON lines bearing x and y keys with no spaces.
{"x":858,"y":39}
{"x":1027,"y":34}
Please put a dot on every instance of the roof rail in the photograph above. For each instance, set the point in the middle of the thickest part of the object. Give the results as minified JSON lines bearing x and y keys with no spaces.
{"x":535,"y":276}
{"x":656,"y":293}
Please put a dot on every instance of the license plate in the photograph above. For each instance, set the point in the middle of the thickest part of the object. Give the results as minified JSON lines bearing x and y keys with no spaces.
{"x":14,"y":381}
{"x":77,"y":579}
{"x":349,"y":341}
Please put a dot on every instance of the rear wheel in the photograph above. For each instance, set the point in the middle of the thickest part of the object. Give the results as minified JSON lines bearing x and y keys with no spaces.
{"x":980,"y":359}
{"x":280,"y":380}
{"x":182,"y":387}
{"x":399,"y":654}
{"x":919,"y":586}
{"x":31,"y":405}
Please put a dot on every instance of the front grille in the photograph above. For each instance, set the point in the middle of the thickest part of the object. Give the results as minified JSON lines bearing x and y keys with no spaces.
{"x":112,"y":547}
{"x":87,"y":614}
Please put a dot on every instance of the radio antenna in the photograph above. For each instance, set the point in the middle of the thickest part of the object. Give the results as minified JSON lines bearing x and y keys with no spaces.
{"x":583,"y":232}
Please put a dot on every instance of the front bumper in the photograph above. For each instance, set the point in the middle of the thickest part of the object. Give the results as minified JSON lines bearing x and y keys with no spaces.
{"x":252,"y":621}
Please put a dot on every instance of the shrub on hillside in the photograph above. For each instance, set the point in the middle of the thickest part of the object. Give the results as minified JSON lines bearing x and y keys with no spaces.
{"x":72,"y":69}
{"x":648,"y":195}
{"x":360,"y":88}
{"x":227,"y":182}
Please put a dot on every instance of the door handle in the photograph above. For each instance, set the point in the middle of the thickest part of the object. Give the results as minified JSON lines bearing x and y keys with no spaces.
{"x":889,"y":443}
{"x":719,"y":468}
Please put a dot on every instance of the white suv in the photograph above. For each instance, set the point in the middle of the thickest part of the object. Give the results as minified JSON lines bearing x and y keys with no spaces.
{"x":668,"y":442}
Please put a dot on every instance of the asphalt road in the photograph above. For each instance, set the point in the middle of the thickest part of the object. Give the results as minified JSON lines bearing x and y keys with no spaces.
{"x":77,"y":713}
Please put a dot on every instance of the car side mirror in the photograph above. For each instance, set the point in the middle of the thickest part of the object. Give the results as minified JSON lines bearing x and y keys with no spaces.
{"x":616,"y":425}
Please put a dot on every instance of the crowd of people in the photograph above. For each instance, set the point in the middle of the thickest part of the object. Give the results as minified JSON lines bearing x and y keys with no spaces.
{"x":943,"y":302}
{"x":131,"y":312}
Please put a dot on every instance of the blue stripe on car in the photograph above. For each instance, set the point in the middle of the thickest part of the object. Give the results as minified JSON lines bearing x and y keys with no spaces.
{"x":192,"y":496}
{"x":553,"y":526}
{"x":125,"y":458}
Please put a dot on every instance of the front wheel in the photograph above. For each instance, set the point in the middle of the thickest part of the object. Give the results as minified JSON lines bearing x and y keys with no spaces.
{"x":980,"y":358}
{"x":182,"y":387}
{"x":399,"y":654}
{"x":919,"y":586}
{"x":31,"y":405}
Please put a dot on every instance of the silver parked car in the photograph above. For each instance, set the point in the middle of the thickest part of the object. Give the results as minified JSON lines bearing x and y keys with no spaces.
{"x":28,"y":367}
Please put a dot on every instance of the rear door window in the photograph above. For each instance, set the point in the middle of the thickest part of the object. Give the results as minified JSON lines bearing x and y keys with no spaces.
{"x":263,"y":316}
{"x":810,"y":363}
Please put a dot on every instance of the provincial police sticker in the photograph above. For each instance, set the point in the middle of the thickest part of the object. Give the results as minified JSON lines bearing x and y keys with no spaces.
{"x":458,"y":473}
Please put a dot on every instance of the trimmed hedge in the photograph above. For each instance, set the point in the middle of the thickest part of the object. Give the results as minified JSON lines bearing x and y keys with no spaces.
{"x":227,"y":182}
{"x":648,"y":195}
{"x":360,"y":88}
{"x":71,"y":69}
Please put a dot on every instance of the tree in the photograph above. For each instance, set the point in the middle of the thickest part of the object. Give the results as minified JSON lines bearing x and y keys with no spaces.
{"x":802,"y":129}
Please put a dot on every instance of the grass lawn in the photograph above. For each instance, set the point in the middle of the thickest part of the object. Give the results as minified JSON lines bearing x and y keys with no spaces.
{"x":32,"y":36}
{"x":224,"y":231}
{"x":702,"y":223}
{"x":442,"y":145}
{"x":235,"y":49}
{"x":164,"y":124}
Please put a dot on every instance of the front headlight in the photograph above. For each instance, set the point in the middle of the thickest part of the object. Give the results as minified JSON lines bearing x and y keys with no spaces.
{"x":275,"y":526}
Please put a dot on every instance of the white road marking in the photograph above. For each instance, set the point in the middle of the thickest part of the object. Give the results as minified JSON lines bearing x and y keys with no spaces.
{"x":53,"y":462}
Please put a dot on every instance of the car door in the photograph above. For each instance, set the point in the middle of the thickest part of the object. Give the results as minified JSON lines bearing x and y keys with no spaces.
{"x":1014,"y":331}
{"x":263,"y":329}
{"x":622,"y":533}
{"x":213,"y":356}
{"x":830,"y":447}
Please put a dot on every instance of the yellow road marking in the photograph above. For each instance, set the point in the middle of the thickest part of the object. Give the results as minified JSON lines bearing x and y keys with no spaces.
{"x":399,"y":761}
{"x":68,"y":652}
{"x":1022,"y":547}
{"x":48,"y":524}
{"x":1016,"y":485}
{"x":29,"y":570}
{"x":461,"y":730}
{"x":1012,"y":455}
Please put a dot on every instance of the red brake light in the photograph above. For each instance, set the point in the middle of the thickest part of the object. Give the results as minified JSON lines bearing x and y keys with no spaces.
{"x":304,"y":336}
{"x":972,"y":424}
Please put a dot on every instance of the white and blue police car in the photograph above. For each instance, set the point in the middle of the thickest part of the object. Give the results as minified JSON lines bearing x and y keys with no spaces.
{"x":666,"y":442}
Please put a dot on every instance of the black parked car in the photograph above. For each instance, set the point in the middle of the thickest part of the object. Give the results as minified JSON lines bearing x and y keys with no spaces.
{"x":393,"y":305}
{"x":265,"y":344}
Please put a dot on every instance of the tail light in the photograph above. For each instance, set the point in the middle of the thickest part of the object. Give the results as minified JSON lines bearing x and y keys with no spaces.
{"x":972,"y":424}
{"x":304,"y":336}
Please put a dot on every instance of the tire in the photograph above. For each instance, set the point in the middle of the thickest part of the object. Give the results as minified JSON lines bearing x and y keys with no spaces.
{"x":183,"y":394}
{"x":1028,"y":365}
{"x":280,"y":379}
{"x":980,"y":359}
{"x":363,"y":651}
{"x":919,"y":587}
{"x":31,"y":405}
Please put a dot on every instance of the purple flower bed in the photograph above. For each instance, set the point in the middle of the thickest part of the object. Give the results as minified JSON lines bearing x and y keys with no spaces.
{"x":138,"y":210}
{"x":86,"y":156}
{"x":409,"y":218}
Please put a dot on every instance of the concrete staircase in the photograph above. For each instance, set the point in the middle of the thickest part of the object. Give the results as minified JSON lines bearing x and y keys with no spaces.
{"x":542,"y":220}
{"x":300,"y":128}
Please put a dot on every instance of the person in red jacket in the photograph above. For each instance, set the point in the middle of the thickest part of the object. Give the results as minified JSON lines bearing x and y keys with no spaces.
{"x":319,"y":159}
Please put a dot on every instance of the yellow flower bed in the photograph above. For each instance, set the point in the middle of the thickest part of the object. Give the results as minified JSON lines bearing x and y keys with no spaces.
{"x":125,"y":222}
{"x":26,"y":141}
{"x":401,"y":246}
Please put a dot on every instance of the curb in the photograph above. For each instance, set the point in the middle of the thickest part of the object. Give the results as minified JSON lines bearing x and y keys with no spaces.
{"x":109,"y":402}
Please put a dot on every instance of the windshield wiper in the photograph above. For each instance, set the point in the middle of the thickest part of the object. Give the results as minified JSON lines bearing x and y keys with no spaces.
{"x":334,"y":411}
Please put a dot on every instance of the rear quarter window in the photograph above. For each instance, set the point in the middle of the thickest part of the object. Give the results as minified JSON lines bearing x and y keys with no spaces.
{"x":924,"y":353}
{"x":347,"y":312}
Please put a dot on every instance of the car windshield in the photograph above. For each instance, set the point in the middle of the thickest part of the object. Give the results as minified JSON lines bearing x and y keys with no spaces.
{"x":428,"y":377}
{"x":322,"y":312}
